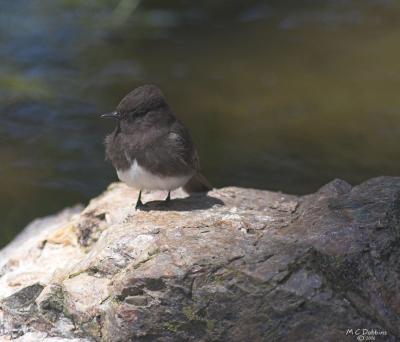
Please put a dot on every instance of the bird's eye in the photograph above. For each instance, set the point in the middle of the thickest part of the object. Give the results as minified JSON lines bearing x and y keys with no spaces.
{"x":137,"y":112}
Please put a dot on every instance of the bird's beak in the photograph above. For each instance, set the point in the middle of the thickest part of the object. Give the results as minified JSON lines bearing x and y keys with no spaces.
{"x":112,"y":115}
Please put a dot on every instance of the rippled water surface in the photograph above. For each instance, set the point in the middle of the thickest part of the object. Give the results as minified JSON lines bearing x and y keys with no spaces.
{"x":280,"y":95}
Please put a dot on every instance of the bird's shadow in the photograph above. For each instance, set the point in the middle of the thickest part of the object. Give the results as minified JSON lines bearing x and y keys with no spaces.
{"x":198,"y":201}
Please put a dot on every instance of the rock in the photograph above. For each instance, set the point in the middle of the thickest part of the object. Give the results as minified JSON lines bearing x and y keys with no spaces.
{"x":41,"y":226}
{"x":233,"y":265}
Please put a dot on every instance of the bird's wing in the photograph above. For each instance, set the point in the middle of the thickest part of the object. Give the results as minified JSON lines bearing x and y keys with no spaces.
{"x":172,"y":153}
{"x":180,"y":139}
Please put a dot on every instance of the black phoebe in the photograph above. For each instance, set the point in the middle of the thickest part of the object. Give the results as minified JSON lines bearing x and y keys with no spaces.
{"x":150,"y":148}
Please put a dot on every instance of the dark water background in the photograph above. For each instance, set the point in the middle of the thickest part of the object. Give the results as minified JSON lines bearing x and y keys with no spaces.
{"x":280,"y":95}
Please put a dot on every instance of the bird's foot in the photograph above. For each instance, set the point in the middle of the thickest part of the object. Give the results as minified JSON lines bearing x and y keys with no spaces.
{"x":139,"y":205}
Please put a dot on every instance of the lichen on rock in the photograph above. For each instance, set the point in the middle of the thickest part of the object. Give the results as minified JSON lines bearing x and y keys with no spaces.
{"x":233,"y":265}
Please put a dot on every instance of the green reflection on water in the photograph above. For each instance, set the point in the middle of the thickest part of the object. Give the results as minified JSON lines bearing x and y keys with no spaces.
{"x":284,"y":96}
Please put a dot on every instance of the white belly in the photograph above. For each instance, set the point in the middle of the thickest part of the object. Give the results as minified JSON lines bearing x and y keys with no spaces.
{"x":139,"y":178}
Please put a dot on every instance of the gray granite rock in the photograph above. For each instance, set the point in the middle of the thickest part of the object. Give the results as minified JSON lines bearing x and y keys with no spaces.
{"x":234,"y":265}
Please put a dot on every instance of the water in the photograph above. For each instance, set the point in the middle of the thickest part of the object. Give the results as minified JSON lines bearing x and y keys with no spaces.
{"x":280,"y":95}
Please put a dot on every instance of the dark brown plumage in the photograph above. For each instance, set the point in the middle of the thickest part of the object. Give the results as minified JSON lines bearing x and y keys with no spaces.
{"x":149,"y":134}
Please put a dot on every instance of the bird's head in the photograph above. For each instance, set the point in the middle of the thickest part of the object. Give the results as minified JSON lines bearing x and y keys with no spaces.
{"x":138,"y":103}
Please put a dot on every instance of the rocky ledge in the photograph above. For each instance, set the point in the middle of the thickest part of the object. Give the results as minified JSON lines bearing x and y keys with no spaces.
{"x":233,"y":265}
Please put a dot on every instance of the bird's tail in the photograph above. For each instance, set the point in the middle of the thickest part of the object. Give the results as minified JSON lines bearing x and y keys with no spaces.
{"x":198,"y":183}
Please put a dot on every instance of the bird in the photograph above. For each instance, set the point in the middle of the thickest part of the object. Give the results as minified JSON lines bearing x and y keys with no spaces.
{"x":150,"y":148}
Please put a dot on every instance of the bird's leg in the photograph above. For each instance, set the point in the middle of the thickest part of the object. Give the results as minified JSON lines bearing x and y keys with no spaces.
{"x":168,"y":197}
{"x":139,"y":201}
